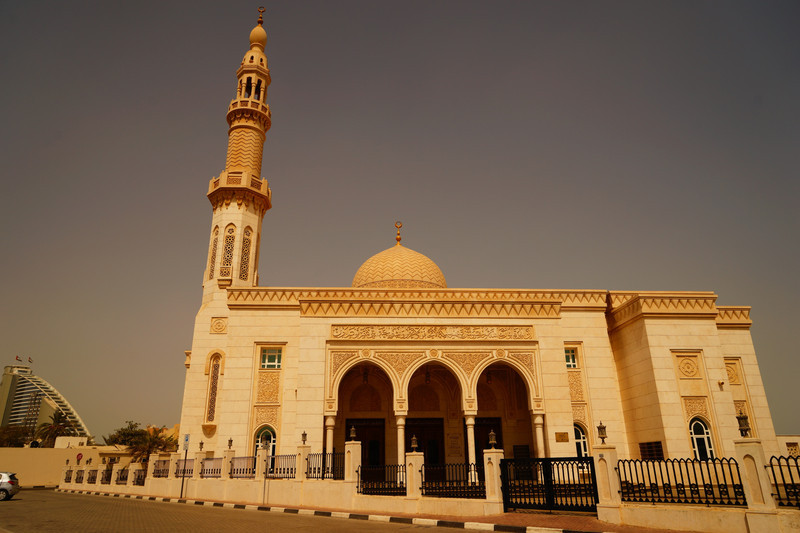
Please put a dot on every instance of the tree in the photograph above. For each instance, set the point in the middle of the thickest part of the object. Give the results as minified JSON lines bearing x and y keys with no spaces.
{"x":58,"y":426}
{"x":141,"y":442}
{"x":13,"y":436}
{"x":127,"y":435}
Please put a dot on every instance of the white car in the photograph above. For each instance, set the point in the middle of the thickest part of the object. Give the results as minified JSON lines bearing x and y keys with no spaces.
{"x":9,"y":485}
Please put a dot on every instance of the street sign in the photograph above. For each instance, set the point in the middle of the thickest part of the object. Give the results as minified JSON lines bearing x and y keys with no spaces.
{"x":186,"y":442}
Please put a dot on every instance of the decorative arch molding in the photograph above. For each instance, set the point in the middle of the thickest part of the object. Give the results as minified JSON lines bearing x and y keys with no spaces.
{"x":210,"y":356}
{"x":341,"y":362}
{"x":514,"y":360}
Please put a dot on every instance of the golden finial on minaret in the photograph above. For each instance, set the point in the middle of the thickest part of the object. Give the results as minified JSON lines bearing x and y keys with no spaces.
{"x":398,"y":225}
{"x":260,"y":15}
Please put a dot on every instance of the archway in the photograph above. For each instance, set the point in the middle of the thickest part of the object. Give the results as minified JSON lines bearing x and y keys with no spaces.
{"x":365,"y":407}
{"x":503,"y":408}
{"x":435,"y":414}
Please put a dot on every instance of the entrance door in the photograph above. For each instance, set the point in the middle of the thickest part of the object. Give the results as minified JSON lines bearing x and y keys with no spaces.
{"x":430,"y":441}
{"x":372,"y":434}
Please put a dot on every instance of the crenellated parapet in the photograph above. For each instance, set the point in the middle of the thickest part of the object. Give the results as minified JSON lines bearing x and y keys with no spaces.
{"x":733,"y":317}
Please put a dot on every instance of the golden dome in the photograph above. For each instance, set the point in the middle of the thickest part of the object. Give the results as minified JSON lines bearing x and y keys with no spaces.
{"x":399,"y":268}
{"x":258,"y":37}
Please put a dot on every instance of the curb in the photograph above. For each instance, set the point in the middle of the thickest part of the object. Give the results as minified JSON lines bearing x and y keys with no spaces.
{"x":433,"y":522}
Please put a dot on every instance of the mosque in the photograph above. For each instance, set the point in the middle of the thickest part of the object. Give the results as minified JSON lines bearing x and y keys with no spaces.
{"x":400,"y":355}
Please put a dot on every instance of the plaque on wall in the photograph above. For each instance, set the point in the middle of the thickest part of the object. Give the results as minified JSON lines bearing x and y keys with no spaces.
{"x":562,"y":436}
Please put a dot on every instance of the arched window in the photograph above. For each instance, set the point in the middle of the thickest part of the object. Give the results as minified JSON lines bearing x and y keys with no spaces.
{"x":248,"y":87}
{"x":265,"y":440}
{"x":581,"y":444}
{"x":213,"y":257}
{"x":258,"y":90}
{"x":244,"y":264}
{"x":213,"y":385}
{"x":227,"y":252}
{"x":701,"y":440}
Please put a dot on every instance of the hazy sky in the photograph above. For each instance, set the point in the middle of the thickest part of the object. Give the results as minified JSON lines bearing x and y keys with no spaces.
{"x":588,"y":145}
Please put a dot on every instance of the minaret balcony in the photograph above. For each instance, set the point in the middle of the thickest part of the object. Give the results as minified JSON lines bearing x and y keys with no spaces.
{"x":240,"y":181}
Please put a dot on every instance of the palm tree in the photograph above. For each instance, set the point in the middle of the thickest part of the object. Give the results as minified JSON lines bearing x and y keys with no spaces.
{"x":58,"y":426}
{"x":153,"y":441}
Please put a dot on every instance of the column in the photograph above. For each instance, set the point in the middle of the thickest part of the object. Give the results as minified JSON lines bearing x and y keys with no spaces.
{"x":330,"y":423}
{"x":401,"y":439}
{"x":470,"y":421}
{"x":538,"y":434}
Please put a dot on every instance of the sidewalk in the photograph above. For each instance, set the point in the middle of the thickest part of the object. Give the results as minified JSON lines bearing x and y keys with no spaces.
{"x":516,"y":522}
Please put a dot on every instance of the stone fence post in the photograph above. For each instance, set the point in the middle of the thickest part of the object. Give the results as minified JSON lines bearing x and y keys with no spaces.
{"x":302,"y":456}
{"x":762,"y":513}
{"x":261,"y":463}
{"x":227,"y":457}
{"x":198,"y":464}
{"x":491,"y":471}
{"x":608,"y":488}
{"x":173,"y":464}
{"x":352,"y":460}
{"x":414,"y":461}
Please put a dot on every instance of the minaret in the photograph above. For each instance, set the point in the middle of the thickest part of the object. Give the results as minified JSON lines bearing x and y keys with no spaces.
{"x":239,"y":195}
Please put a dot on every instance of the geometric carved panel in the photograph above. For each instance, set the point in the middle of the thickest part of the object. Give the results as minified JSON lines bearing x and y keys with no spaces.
{"x":575,"y":386}
{"x":579,"y":413}
{"x":467,"y":360}
{"x":267,"y":415}
{"x":219,"y":325}
{"x":268,"y":387}
{"x":688,"y":367}
{"x":731,"y":368}
{"x":696,"y":406}
{"x":399,"y":361}
{"x":339,"y":358}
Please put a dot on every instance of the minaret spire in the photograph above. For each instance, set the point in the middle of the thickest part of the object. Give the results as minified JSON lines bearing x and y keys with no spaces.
{"x":239,"y":195}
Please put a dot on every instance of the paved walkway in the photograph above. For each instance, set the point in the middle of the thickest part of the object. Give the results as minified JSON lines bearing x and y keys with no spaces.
{"x":45,"y":511}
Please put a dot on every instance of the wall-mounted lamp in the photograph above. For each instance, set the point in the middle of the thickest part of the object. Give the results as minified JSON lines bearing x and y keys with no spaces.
{"x":492,"y":439}
{"x":601,"y":433}
{"x":413,"y":443}
{"x":744,"y":425}
{"x":427,"y":375}
{"x":352,"y":433}
{"x":488,"y":377}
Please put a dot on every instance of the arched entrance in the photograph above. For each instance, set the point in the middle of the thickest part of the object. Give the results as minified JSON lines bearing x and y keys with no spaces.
{"x":503,"y":408}
{"x":265,"y":440}
{"x":365,"y":406}
{"x":435,"y":415}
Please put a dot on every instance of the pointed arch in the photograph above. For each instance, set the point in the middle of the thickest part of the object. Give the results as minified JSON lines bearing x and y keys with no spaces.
{"x":341,"y":372}
{"x":227,"y":251}
{"x":212,"y":254}
{"x":244,"y":262}
{"x":527,"y":375}
{"x":702,"y":444}
{"x":452,"y":366}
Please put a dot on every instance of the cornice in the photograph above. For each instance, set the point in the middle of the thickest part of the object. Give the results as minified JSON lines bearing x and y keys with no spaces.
{"x":634,"y":305}
{"x":426,"y":308}
{"x":733,"y":317}
{"x":240,"y":187}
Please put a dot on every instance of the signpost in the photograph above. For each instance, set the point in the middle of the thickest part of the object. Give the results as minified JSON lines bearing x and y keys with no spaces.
{"x":185,"y":457}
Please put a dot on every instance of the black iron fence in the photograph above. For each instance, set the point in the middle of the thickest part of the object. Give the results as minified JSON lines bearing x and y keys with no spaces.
{"x":122,"y":476}
{"x":139,"y":477}
{"x":281,"y":467}
{"x":454,"y":480}
{"x":785,"y":474}
{"x":711,"y":482}
{"x":161,"y":468}
{"x":211,"y":467}
{"x":105,"y":477}
{"x":184,"y":468}
{"x":554,"y":483}
{"x":79,"y":476}
{"x":325,"y":465}
{"x":92,"y":478}
{"x":68,"y":476}
{"x":385,"y":480}
{"x":243,"y":467}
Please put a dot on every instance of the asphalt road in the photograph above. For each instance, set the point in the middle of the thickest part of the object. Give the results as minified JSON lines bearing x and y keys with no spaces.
{"x":46,"y":511}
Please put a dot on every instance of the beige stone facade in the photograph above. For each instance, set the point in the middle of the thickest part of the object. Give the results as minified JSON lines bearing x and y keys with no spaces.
{"x":399,"y":354}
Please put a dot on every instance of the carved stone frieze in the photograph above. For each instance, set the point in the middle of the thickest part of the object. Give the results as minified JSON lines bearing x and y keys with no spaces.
{"x":579,"y":414}
{"x":696,"y":406}
{"x":268,"y":387}
{"x":575,"y":385}
{"x":664,"y":304}
{"x":730,"y":317}
{"x":399,"y":361}
{"x":338,"y":358}
{"x":219,"y":325}
{"x":267,"y":415}
{"x":413,"y":333}
{"x":467,"y":360}
{"x":525,"y":358}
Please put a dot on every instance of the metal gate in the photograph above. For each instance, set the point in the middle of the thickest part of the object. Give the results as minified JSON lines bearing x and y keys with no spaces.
{"x":552,"y":483}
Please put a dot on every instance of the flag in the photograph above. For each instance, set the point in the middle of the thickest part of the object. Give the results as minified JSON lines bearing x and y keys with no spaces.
{"x":18,"y":359}
{"x":30,"y":360}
